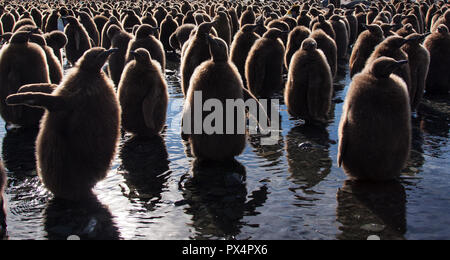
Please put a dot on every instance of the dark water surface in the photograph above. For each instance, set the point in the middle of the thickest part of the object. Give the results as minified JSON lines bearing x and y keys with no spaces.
{"x":292,"y":190}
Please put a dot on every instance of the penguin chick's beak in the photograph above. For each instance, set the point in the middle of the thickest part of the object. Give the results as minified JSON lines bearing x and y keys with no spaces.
{"x":135,"y":54}
{"x":402,"y":62}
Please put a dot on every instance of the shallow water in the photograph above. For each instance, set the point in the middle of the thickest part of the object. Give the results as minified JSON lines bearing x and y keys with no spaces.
{"x":292,"y":190}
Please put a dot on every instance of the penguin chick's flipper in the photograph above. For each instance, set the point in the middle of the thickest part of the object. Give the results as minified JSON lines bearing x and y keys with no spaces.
{"x":42,"y":100}
{"x":38,"y":88}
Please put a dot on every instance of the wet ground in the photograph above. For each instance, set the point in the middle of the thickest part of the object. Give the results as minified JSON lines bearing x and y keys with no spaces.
{"x":292,"y":190}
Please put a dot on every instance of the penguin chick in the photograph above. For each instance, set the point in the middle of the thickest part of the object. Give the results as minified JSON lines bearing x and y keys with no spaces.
{"x":21,"y":62}
{"x":294,"y":43}
{"x":240,"y":48}
{"x":56,"y":40}
{"x":392,"y":47}
{"x":80,"y":129}
{"x":329,"y":48}
{"x":143,"y":95}
{"x":196,"y":52}
{"x":145,"y":38}
{"x":364,"y":46}
{"x":119,"y":40}
{"x":227,"y":85}
{"x":309,"y":87}
{"x":264,"y":64}
{"x":180,"y":36}
{"x":375,"y":127}
{"x":78,"y":40}
{"x":438,"y":79}
{"x":168,"y":27}
{"x":419,"y":62}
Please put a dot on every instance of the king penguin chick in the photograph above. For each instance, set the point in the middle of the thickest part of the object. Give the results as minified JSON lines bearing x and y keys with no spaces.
{"x":145,"y":38}
{"x":78,"y":40}
{"x":21,"y":62}
{"x":119,"y":40}
{"x":329,"y":48}
{"x":80,"y":129}
{"x":264,"y":65}
{"x":438,"y":79}
{"x":168,"y":27}
{"x":143,"y":95}
{"x":196,"y":52}
{"x":419,"y":62}
{"x":227,"y":85}
{"x":309,"y":87}
{"x":242,"y":43}
{"x":375,"y":128}
{"x":364,"y":46}
{"x":392,"y":47}
{"x":294,"y":43}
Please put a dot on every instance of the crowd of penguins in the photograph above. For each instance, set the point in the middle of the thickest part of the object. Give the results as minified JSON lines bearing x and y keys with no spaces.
{"x":397,"y":50}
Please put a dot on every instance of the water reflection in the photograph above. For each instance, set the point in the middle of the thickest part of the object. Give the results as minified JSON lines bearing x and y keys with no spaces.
{"x":19,"y":151}
{"x":366,"y":209}
{"x":308,"y":157}
{"x":145,"y":168}
{"x":216,"y":195}
{"x":88,"y":220}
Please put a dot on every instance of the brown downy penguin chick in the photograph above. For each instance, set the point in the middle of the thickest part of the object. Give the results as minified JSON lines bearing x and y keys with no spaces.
{"x":411,"y":19}
{"x":341,"y":39}
{"x":375,"y":127}
{"x":240,"y":48}
{"x":2,"y":200}
{"x":304,"y":19}
{"x":406,"y":30}
{"x":90,"y":27}
{"x":119,"y":40}
{"x":21,"y":62}
{"x":419,"y":62}
{"x":8,"y":22}
{"x":78,"y":40}
{"x":130,"y":20}
{"x":54,"y":66}
{"x":353,"y":25}
{"x":23,"y":22}
{"x":438,"y":79}
{"x":143,"y":95}
{"x":222,"y":26}
{"x":145,"y":38}
{"x":325,"y":26}
{"x":309,"y":87}
{"x":363,"y":48}
{"x":329,"y":48}
{"x":180,"y":36}
{"x":56,"y":40}
{"x":196,"y":52}
{"x":387,"y":30}
{"x":168,"y":27}
{"x":106,"y":43}
{"x":444,"y":19}
{"x":247,"y":17}
{"x":265,"y":64}
{"x":100,"y":22}
{"x":52,"y":21}
{"x":295,"y":40}
{"x":392,"y":47}
{"x":80,"y":129}
{"x":227,"y":85}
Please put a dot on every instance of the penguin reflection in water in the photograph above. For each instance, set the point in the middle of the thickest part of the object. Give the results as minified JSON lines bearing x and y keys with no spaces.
{"x":80,"y":129}
{"x":2,"y":202}
{"x":375,"y":127}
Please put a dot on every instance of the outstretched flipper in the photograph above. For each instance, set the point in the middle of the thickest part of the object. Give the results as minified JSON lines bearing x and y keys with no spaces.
{"x":38,"y":88}
{"x":42,"y":100}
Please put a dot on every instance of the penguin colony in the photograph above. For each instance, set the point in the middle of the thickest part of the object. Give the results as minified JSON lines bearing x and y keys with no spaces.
{"x":396,"y":51}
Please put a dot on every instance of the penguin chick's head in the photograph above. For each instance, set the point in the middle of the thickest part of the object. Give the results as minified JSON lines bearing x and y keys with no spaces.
{"x":274,"y":33}
{"x":56,"y":39}
{"x":309,"y":45}
{"x":94,"y":59}
{"x":375,"y":29}
{"x":146,"y":30}
{"x":20,"y":37}
{"x":141,"y":56}
{"x":218,"y":49}
{"x":383,"y":67}
{"x":416,"y":39}
{"x":70,"y":20}
{"x":249,"y":28}
{"x":112,"y":31}
{"x":442,"y":29}
{"x":395,"y":42}
{"x":205,"y":28}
